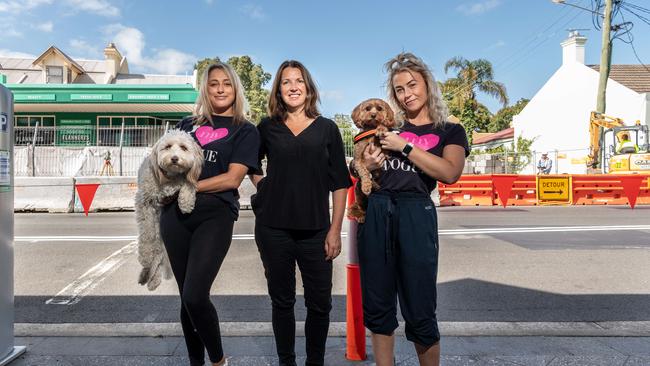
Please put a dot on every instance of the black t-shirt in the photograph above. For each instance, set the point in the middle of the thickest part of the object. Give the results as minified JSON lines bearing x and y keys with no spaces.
{"x":224,"y":143}
{"x":301,"y":171}
{"x":399,"y":174}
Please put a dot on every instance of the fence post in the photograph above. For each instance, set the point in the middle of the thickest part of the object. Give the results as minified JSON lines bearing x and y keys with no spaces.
{"x":505,"y":164}
{"x":556,"y":161}
{"x":121,"y":143}
{"x":33,"y":147}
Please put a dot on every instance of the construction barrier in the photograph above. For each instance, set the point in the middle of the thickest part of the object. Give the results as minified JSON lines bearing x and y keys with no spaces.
{"x":522,"y":190}
{"x":113,"y":194}
{"x":48,"y":194}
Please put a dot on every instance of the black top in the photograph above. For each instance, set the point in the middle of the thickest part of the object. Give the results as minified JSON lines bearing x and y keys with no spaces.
{"x":224,"y":143}
{"x":301,"y":171}
{"x":400,"y":175}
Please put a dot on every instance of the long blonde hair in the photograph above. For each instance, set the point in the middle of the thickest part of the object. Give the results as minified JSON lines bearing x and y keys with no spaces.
{"x":408,"y":62}
{"x":204,"y":111}
{"x":277,"y":109}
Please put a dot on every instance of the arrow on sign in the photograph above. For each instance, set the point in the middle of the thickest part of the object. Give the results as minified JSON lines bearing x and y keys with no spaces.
{"x":558,"y":192}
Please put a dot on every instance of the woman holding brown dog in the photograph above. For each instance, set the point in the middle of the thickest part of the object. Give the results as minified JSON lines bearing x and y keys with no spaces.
{"x":198,"y":242}
{"x":305,"y":162}
{"x":398,"y":243}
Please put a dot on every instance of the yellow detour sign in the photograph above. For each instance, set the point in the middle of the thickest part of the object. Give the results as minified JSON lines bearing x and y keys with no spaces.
{"x":554,"y":189}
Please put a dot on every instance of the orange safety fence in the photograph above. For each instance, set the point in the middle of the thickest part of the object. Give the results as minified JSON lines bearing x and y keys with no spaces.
{"x":592,"y":189}
{"x":607,"y":189}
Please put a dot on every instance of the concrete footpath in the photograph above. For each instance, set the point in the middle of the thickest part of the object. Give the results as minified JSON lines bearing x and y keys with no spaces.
{"x":168,"y":351}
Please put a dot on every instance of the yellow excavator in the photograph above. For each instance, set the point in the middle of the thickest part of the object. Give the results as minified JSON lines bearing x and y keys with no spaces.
{"x":607,"y":155}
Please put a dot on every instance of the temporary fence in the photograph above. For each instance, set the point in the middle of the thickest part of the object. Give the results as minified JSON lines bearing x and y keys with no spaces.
{"x":532,"y":190}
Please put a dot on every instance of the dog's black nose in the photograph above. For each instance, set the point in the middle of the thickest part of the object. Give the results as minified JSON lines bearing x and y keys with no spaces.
{"x":174,"y":159}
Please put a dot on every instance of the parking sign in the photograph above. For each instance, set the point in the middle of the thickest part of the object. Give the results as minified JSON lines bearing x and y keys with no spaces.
{"x":3,"y":122}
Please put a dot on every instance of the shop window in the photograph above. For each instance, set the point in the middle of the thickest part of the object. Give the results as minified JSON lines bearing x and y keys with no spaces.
{"x":48,"y":121}
{"x":129,"y":121}
{"x":22,"y":121}
{"x":34,"y":120}
{"x":104,"y":121}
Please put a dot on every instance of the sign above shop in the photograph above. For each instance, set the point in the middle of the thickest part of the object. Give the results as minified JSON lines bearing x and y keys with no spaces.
{"x":35,"y":97}
{"x":147,"y":96}
{"x":91,"y":97}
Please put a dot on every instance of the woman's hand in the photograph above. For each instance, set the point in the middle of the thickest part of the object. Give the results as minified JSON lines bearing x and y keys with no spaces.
{"x":373,"y":158}
{"x":392,"y":141}
{"x":332,"y":244}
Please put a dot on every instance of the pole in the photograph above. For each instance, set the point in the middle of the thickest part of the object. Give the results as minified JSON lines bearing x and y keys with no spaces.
{"x":355,"y":332}
{"x":33,"y":147}
{"x":121,"y":143}
{"x":8,"y":351}
{"x":605,"y":58}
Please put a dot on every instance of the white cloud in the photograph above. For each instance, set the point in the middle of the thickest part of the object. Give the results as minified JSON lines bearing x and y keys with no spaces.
{"x":45,"y":27}
{"x":15,"y":54}
{"x":334,"y":95}
{"x":99,"y":7}
{"x":83,"y":49}
{"x":254,"y":11}
{"x":479,"y":7}
{"x":7,"y":29}
{"x":497,"y":44}
{"x":16,"y":7}
{"x":131,"y":42}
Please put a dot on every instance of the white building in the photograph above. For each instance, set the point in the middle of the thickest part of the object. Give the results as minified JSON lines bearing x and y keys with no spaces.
{"x":557,"y":117}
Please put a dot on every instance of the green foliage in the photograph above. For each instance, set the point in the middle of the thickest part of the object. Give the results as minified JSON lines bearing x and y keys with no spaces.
{"x":518,"y":158}
{"x":253,"y":78}
{"x":471,"y":77}
{"x":474,"y":117}
{"x":503,"y":118}
{"x":348,"y":130}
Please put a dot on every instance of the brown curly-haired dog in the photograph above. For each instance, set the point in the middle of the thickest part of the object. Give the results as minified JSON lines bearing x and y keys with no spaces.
{"x":372,"y":116}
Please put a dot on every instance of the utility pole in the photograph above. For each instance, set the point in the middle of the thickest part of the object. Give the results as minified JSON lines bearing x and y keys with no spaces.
{"x":605,"y":58}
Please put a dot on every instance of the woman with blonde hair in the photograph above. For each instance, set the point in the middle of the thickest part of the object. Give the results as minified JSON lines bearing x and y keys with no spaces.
{"x":305,"y":163}
{"x":398,"y":243}
{"x":198,"y":242}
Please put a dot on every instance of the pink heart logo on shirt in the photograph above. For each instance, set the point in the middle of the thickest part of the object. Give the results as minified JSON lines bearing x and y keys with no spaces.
{"x":424,"y":142}
{"x":207,"y":134}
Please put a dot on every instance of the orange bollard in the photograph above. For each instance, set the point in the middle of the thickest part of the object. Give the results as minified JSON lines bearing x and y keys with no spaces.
{"x":355,"y":331}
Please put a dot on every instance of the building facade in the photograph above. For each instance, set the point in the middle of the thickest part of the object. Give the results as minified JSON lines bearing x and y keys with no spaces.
{"x":60,"y":101}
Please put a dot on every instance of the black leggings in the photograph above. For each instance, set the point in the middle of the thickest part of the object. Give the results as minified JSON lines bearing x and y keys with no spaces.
{"x":280,"y":249}
{"x":197,"y":244}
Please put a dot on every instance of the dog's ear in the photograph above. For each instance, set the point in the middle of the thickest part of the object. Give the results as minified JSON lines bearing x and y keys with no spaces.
{"x":356,"y":115}
{"x":194,"y":172}
{"x":390,"y":115}
{"x":153,"y":162}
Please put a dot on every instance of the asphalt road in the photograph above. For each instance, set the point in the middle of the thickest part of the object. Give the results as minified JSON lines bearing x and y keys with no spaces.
{"x":518,"y":264}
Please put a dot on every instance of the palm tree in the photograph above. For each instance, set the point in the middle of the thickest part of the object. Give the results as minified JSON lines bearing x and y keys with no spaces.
{"x":471,"y":76}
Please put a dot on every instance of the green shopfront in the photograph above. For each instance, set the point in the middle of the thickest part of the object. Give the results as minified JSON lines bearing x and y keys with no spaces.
{"x":97,"y":115}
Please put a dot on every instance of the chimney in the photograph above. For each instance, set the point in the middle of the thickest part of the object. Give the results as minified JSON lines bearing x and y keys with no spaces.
{"x":573,"y":48}
{"x":113,"y":59}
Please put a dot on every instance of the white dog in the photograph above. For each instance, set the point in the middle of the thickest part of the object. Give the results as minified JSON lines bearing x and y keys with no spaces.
{"x":173,"y":166}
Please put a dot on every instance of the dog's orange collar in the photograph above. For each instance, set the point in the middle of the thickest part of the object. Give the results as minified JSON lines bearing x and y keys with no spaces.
{"x":364,"y":134}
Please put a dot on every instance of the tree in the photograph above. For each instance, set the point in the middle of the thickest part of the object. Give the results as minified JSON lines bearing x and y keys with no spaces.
{"x":503,"y":118}
{"x":348,"y":130}
{"x":200,"y":67}
{"x":474,"y":116}
{"x":471,"y":77}
{"x":253,"y":78}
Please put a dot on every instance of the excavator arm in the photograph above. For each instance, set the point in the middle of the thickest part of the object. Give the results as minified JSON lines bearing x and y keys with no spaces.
{"x":598,"y":121}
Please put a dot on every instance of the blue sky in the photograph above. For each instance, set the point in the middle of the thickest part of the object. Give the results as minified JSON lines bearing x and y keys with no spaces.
{"x":343,"y":43}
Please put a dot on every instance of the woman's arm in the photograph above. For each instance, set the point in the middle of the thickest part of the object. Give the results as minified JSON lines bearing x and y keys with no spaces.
{"x":226,"y":181}
{"x":446,"y":169}
{"x":333,"y":240}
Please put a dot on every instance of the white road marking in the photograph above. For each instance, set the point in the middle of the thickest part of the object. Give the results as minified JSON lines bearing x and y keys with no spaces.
{"x":487,"y":230}
{"x":74,"y":292}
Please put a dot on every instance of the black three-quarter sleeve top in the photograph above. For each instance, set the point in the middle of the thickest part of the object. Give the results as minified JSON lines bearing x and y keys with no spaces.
{"x":301,"y":172}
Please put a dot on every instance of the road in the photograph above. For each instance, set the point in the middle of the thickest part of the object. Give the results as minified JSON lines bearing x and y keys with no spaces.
{"x":518,"y":264}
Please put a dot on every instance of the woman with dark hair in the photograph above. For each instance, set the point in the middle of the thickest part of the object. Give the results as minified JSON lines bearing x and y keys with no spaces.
{"x":198,"y":242}
{"x":305,"y":162}
{"x":398,"y":243}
